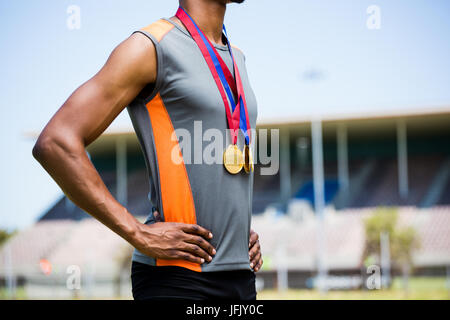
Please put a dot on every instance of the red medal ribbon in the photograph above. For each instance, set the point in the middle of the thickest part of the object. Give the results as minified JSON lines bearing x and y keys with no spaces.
{"x":233,"y":119}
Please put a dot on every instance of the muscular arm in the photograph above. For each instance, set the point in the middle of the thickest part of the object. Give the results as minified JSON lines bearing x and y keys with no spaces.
{"x":84,"y":116}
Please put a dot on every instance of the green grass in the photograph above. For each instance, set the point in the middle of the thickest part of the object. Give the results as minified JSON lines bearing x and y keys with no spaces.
{"x":420,"y":288}
{"x":20,"y":294}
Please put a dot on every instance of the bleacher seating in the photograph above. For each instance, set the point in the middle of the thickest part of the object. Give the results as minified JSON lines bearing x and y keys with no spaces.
{"x":380,"y":188}
{"x":306,"y":192}
{"x":265,"y":192}
{"x":35,"y":243}
{"x":138,"y":189}
{"x":93,"y":247}
{"x":138,"y":203}
{"x":62,"y":211}
{"x":445,"y":197}
{"x":344,"y":234}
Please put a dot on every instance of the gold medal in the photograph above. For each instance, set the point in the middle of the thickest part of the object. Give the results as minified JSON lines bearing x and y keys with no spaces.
{"x":233,"y":160}
{"x":248,"y":159}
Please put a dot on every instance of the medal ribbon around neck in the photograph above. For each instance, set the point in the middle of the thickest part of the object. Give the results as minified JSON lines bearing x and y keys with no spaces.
{"x":244,"y":119}
{"x":223,"y":78}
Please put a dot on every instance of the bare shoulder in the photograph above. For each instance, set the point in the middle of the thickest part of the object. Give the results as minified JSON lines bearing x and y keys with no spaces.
{"x":135,"y":57}
{"x":138,"y":47}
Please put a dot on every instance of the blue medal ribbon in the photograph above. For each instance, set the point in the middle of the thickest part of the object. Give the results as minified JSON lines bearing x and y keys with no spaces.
{"x":218,"y":67}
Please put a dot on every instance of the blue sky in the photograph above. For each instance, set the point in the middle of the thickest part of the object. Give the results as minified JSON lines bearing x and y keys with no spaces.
{"x":405,"y":64}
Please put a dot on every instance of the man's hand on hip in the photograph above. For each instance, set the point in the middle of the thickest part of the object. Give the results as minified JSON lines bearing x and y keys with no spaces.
{"x":254,"y":253}
{"x":172,"y":241}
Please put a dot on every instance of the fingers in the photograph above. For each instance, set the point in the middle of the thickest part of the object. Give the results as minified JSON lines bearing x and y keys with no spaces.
{"x":197,"y":230}
{"x":195,"y":243}
{"x":254,"y":237}
{"x":184,"y":255}
{"x":259,"y":265}
{"x":254,"y":250}
{"x":255,"y":259}
{"x":198,"y":252}
{"x":254,"y":253}
{"x":187,"y":241}
{"x":201,"y":243}
{"x":157,"y":216}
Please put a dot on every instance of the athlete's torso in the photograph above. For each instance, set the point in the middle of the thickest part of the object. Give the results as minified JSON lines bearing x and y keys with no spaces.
{"x":186,"y":100}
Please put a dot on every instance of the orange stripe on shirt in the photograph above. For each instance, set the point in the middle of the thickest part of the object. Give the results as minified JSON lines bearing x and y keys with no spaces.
{"x":177,"y":200}
{"x":159,"y":29}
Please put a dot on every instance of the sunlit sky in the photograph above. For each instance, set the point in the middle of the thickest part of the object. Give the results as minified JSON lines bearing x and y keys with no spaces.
{"x":403,"y":65}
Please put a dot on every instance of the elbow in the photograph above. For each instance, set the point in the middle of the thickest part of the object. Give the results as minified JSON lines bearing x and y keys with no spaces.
{"x":42,"y":147}
{"x":53,"y":148}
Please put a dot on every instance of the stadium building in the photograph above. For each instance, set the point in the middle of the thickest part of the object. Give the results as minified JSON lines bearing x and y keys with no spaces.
{"x":365,"y":161}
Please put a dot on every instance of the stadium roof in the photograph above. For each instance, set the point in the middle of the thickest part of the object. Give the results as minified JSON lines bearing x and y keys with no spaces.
{"x":361,"y":115}
{"x":120,"y":128}
{"x":420,"y":121}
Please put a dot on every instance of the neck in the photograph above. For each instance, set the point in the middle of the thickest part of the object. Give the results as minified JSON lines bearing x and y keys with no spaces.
{"x":208,"y":15}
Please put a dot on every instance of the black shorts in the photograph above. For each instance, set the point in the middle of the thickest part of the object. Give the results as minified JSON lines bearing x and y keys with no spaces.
{"x":163,"y":283}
